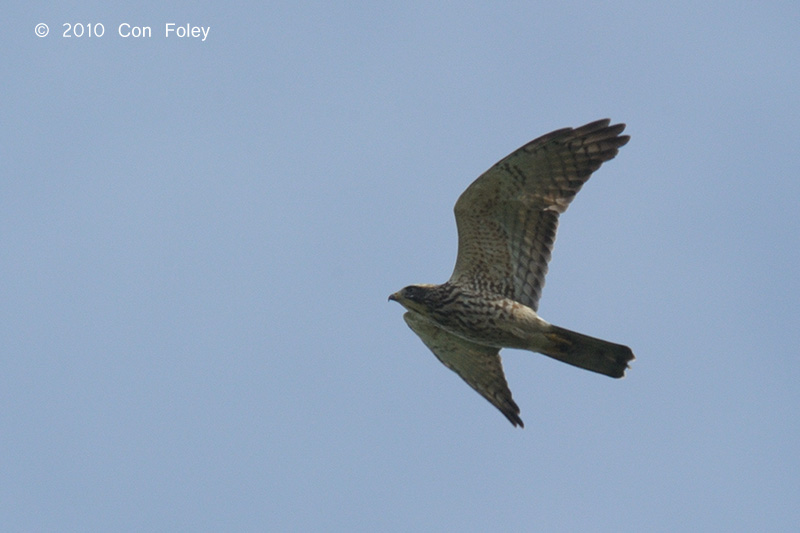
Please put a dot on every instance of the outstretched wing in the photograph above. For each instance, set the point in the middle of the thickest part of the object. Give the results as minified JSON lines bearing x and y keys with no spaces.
{"x":478,"y":365}
{"x":507,"y":218}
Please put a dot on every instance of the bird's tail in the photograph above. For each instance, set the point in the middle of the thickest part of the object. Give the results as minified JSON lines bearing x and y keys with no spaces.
{"x":587,"y":352}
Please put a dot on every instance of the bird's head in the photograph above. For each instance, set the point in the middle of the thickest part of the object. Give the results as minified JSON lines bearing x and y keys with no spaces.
{"x":414,"y":297}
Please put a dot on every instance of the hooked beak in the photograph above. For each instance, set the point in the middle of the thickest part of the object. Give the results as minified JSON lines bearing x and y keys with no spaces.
{"x":393,"y":297}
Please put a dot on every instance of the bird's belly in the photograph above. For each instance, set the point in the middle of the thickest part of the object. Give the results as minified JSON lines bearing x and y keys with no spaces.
{"x":500,"y":322}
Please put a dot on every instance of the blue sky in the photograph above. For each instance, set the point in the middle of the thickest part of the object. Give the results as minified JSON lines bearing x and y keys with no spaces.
{"x":198,"y":239}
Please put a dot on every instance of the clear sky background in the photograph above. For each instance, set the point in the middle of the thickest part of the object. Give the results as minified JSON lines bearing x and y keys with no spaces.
{"x":197,"y":241}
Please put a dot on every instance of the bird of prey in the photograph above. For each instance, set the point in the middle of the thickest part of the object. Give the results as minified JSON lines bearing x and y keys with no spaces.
{"x":507,"y":223}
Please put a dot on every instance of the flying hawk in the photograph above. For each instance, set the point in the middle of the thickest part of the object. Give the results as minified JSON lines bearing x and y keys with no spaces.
{"x":507,"y":223}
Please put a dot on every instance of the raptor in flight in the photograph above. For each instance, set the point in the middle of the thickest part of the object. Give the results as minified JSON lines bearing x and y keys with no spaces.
{"x":507,"y":223}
